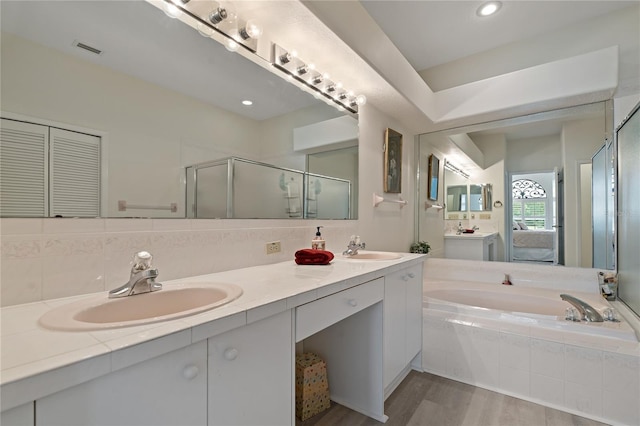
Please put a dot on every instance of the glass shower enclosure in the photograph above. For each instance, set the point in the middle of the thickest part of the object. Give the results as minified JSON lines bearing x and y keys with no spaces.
{"x":244,"y":189}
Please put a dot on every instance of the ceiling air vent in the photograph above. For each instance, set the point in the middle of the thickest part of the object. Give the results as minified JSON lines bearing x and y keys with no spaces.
{"x":86,"y":47}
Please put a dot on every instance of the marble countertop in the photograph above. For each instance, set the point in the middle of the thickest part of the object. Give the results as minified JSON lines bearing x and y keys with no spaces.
{"x":36,"y":361}
{"x":475,"y":235}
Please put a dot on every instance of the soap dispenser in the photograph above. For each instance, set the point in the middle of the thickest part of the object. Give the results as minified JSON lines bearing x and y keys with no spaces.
{"x":318,"y":242}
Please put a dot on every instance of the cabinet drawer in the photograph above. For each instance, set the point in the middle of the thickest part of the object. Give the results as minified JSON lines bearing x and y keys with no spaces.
{"x":322,"y":313}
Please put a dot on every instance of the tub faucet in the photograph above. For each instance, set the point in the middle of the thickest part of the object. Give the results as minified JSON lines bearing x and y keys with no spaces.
{"x":353,"y":246}
{"x":587,"y":311}
{"x":142,"y":278}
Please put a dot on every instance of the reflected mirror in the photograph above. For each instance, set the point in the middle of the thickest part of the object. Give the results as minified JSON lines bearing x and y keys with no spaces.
{"x":457,"y":198}
{"x":480,"y":197}
{"x":157,"y":95}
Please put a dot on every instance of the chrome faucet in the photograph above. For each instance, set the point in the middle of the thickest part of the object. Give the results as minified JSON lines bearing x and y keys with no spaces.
{"x":142,"y":278}
{"x":353,"y":246}
{"x":587,"y":311}
{"x":460,"y":229}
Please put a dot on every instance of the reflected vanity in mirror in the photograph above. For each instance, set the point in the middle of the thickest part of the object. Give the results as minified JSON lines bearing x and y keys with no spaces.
{"x":178,"y":104}
{"x":480,"y":197}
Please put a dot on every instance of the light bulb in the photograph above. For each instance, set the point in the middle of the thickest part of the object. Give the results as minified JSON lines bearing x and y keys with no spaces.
{"x":489,"y":8}
{"x":361,"y":100}
{"x":234,"y":34}
{"x":251,"y":30}
{"x":171,"y":10}
{"x":204,"y":30}
{"x":231,"y":45}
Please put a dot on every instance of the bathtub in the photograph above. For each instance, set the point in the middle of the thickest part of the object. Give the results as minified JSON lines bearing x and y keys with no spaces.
{"x":515,"y":340}
{"x":531,"y":307}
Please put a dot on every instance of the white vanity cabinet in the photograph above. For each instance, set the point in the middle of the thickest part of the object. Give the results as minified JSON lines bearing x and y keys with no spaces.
{"x":167,"y":390}
{"x":402,"y":327}
{"x":18,"y":416}
{"x":250,"y":374}
{"x":476,"y":246}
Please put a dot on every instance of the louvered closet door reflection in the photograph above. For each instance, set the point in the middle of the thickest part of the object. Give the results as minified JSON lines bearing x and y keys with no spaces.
{"x":23,"y":169}
{"x":75,"y":174}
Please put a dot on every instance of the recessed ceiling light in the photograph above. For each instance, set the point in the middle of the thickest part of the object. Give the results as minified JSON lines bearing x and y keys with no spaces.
{"x":247,"y":102}
{"x":489,"y":8}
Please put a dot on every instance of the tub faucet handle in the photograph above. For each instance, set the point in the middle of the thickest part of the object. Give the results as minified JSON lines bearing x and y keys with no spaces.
{"x":572,"y":314}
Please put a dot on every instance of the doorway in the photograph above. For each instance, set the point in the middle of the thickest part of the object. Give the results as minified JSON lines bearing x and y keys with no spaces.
{"x":536,"y":218}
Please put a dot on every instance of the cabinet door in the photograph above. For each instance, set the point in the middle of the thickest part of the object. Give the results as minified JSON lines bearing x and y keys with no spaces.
{"x":21,"y":415}
{"x":413,"y":312}
{"x":251,"y":374}
{"x":394,"y":327}
{"x":167,"y":390}
{"x":402,"y":321}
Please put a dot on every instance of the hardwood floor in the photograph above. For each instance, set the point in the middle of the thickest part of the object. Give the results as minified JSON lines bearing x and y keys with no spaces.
{"x":423,"y":399}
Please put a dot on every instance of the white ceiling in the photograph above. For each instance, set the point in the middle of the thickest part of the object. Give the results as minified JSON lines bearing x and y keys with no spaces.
{"x":430,"y":33}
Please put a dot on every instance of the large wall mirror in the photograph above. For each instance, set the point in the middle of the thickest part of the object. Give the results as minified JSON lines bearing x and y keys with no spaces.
{"x":160,"y":98}
{"x":556,"y":213}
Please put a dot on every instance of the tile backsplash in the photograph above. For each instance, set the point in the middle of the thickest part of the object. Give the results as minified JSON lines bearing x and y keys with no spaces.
{"x":50,"y":258}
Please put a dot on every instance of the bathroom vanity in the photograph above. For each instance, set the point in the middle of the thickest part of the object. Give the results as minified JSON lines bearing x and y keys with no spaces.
{"x":476,"y":246}
{"x":230,"y":365}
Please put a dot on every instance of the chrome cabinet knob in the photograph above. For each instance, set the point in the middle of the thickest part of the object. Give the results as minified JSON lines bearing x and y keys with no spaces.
{"x":190,"y":372}
{"x":230,"y":354}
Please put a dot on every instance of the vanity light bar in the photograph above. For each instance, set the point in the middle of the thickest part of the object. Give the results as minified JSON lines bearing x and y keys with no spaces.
{"x":454,"y":169}
{"x":320,"y":84}
{"x":215,"y":20}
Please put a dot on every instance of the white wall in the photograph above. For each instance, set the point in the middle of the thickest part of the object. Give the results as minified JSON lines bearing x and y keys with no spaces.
{"x":386,"y":227}
{"x":494,"y":148}
{"x":586,"y":252}
{"x":431,"y":222}
{"x":534,"y":154}
{"x":580,"y":140}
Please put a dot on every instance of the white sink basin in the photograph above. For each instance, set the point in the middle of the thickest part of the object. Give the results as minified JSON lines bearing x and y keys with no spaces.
{"x":374,"y":255}
{"x":100,"y":312}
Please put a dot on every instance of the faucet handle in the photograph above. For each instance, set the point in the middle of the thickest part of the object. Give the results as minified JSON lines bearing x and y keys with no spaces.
{"x":141,"y":261}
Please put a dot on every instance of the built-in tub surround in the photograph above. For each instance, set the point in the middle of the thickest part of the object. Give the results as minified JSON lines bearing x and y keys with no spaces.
{"x":51,"y":258}
{"x":520,"y":348}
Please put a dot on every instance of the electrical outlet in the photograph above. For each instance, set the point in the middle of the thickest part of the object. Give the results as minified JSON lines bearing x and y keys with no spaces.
{"x":273,"y":247}
{"x":453,"y":216}
{"x":485,"y":215}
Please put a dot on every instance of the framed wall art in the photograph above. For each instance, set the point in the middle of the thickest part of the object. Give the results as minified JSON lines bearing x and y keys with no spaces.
{"x":434,"y":173}
{"x":392,"y":161}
